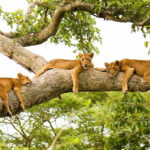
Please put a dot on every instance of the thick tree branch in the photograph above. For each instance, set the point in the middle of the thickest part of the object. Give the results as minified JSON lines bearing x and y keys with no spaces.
{"x":7,"y":34}
{"x":19,"y":54}
{"x":51,"y":29}
{"x":57,"y":81}
{"x":107,"y":13}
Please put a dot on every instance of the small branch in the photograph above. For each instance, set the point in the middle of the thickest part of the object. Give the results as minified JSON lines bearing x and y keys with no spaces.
{"x":142,"y":23}
{"x":22,"y":134}
{"x":21,"y":127}
{"x":30,"y":8}
{"x":52,"y":127}
{"x":45,"y":15}
{"x":52,"y":146}
{"x":10,"y":135}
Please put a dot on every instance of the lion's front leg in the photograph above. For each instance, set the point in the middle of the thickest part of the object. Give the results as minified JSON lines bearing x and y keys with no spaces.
{"x":75,"y":77}
{"x":19,"y":94}
{"x":127,"y":76}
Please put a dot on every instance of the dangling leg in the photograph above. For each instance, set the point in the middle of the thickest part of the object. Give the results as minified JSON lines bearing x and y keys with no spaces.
{"x":127,"y":76}
{"x":75,"y":77}
{"x":4,"y":96}
{"x":19,"y":94}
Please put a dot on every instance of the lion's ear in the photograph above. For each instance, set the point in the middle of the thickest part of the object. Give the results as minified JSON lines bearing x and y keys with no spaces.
{"x":19,"y":75}
{"x":91,"y":54}
{"x":80,"y":55}
{"x":117,"y":62}
{"x":106,"y":64}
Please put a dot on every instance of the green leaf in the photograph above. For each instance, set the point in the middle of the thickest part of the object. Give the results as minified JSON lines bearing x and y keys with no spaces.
{"x":146,"y":44}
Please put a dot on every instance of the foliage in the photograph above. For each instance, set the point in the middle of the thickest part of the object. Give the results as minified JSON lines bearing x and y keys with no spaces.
{"x":94,"y":121}
{"x":76,"y":26}
{"x":79,"y":26}
{"x":80,"y":31}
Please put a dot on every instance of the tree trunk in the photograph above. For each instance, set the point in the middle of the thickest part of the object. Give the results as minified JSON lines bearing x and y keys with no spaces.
{"x":58,"y":81}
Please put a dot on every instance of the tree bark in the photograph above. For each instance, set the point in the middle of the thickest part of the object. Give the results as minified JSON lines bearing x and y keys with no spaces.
{"x":19,"y":54}
{"x":58,"y":81}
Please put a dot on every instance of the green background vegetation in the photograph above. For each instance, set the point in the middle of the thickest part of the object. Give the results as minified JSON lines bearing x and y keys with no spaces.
{"x":94,"y":121}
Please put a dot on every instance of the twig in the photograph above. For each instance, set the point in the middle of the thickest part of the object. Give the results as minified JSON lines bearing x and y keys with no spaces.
{"x":52,"y":146}
{"x":30,"y":8}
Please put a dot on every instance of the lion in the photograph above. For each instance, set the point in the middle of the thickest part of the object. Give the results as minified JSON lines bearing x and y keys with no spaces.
{"x":76,"y":66}
{"x":7,"y":84}
{"x":129,"y":66}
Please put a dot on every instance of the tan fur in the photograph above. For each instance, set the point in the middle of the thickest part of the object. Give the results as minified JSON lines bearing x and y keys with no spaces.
{"x":101,"y":69}
{"x":129,"y":66}
{"x":77,"y":66}
{"x":7,"y":84}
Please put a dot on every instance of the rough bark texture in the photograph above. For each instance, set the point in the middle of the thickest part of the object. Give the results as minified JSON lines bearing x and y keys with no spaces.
{"x":19,"y":54}
{"x":57,"y":81}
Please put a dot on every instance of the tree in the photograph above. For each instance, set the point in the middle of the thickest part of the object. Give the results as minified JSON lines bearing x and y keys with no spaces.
{"x":93,"y":121}
{"x":72,"y":23}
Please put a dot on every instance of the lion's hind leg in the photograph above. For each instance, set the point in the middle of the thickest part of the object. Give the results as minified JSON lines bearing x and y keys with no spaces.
{"x":44,"y":69}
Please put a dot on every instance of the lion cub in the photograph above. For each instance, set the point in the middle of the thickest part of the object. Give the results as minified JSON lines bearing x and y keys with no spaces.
{"x":6,"y":84}
{"x":77,"y":66}
{"x":129,"y":66}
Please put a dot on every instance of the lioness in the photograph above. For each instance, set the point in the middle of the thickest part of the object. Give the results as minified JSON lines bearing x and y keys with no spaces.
{"x":77,"y":66}
{"x":129,"y":66}
{"x":6,"y":84}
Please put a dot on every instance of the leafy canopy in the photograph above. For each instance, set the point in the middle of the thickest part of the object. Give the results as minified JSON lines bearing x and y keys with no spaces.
{"x":78,"y":28}
{"x":100,"y":120}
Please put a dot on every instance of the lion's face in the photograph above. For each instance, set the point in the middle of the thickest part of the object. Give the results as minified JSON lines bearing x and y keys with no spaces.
{"x":86,"y":59}
{"x":24,"y":79}
{"x":113,"y":68}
